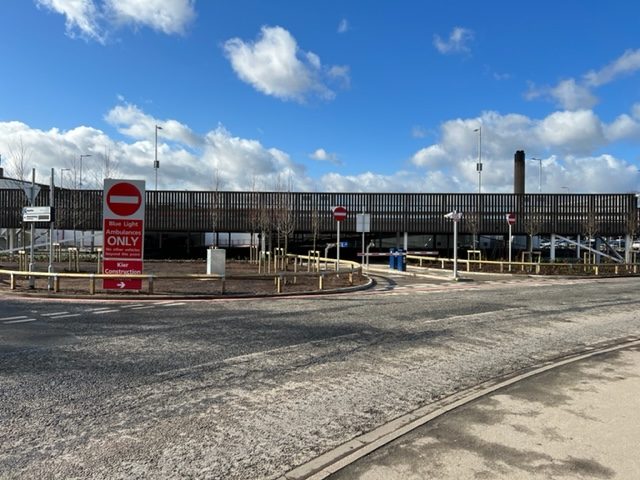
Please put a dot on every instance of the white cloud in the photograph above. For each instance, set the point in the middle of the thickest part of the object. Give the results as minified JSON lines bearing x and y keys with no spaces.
{"x":570,"y":144}
{"x":456,"y":43}
{"x":94,"y":20}
{"x":433,"y":156}
{"x":275,"y":65}
{"x":169,"y":17}
{"x":627,"y":63}
{"x":571,"y":136}
{"x":624,"y":127}
{"x":572,"y":96}
{"x":343,"y":26}
{"x":402,"y":181}
{"x":579,"y":132}
{"x":80,"y":16}
{"x":567,"y":94}
{"x":322,"y":155}
{"x":134,"y":123}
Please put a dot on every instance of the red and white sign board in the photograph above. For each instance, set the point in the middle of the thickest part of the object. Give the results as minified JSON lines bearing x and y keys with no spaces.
{"x":123,"y":238}
{"x":511,"y":218}
{"x":122,"y":267}
{"x":339,"y":213}
{"x":123,"y":199}
{"x":123,"y":232}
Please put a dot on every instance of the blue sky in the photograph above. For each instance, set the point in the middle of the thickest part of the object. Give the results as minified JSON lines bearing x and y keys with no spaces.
{"x":327,"y":96}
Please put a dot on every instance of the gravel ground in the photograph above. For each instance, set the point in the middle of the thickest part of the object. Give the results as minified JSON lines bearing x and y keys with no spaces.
{"x":250,"y":389}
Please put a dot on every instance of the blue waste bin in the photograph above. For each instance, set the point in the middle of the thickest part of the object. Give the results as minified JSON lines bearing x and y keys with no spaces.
{"x":401,"y":262}
{"x":393,"y":258}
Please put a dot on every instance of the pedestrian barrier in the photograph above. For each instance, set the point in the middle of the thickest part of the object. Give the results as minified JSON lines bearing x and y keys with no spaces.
{"x":280,"y":279}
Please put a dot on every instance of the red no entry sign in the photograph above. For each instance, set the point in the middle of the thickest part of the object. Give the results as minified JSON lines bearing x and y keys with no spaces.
{"x":339,"y":213}
{"x":511,"y":218}
{"x":124,"y":199}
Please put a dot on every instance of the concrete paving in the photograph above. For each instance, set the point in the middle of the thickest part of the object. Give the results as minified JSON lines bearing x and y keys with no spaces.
{"x":578,"y":421}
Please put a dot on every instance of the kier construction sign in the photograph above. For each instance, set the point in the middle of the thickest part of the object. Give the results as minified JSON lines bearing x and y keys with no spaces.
{"x":122,"y":267}
{"x":123,"y":232}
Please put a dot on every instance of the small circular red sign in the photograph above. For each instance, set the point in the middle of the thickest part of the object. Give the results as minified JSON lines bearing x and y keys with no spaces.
{"x":124,"y":199}
{"x":339,"y":213}
{"x":511,"y":218}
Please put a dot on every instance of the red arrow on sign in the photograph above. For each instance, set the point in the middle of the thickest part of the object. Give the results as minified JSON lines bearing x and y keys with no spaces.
{"x":339,"y":213}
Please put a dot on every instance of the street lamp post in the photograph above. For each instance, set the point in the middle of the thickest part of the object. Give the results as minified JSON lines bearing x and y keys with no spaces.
{"x":479,"y":164}
{"x":539,"y":160}
{"x":156,"y":163}
{"x":81,"y":157}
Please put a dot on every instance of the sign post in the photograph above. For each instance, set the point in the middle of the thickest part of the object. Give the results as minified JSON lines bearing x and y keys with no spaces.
{"x":511,"y":220}
{"x":123,"y":232}
{"x":340,"y":214}
{"x":363,"y":224}
{"x":455,"y":216}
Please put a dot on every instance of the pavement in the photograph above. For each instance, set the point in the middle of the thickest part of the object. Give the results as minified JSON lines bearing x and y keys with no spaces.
{"x":577,"y":421}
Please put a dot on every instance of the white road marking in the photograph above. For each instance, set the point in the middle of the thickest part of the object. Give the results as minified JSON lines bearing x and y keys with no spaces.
{"x":54,"y":314}
{"x":98,"y":312}
{"x":141,"y":308}
{"x":97,"y":309}
{"x":13,"y":318}
{"x":68,"y":316}
{"x":133,"y":305}
{"x":172,"y":304}
{"x":24,"y":320}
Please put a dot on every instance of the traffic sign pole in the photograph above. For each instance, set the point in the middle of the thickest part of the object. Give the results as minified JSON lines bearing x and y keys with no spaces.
{"x":338,"y":247}
{"x":510,"y":237}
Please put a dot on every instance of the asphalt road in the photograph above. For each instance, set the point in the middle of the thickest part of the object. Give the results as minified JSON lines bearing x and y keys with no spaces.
{"x":249,"y":389}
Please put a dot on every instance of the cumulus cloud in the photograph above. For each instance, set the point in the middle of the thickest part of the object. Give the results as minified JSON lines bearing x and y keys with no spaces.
{"x":322,"y":155}
{"x":94,"y":20}
{"x":627,"y":63}
{"x":572,"y":136}
{"x":569,"y":142}
{"x":457,"y":42}
{"x":570,"y":94}
{"x":187,"y":160}
{"x":343,"y":26}
{"x":276,"y":66}
{"x":82,"y":17}
{"x":168,"y":17}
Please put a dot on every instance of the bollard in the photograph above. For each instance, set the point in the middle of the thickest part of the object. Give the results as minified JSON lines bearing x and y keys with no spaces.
{"x":56,"y":283}
{"x":151,"y":284}
{"x":222,"y":289}
{"x":13,"y":282}
{"x":279,"y":284}
{"x":92,"y":284}
{"x":321,"y":281}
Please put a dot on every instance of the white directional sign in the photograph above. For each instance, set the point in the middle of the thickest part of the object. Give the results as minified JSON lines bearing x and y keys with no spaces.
{"x":36,"y":214}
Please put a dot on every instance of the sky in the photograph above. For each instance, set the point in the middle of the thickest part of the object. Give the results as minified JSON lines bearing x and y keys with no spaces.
{"x":333,"y":95}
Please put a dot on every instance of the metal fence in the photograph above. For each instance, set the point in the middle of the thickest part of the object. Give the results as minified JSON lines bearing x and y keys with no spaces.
{"x":415,"y":213}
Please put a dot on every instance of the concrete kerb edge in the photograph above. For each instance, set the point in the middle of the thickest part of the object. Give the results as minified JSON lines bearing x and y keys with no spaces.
{"x":344,"y":455}
{"x":142,"y":296}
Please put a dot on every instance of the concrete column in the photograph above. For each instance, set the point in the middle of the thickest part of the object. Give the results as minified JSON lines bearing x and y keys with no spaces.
{"x":627,"y":248}
{"x":406,"y":241}
{"x":578,"y":247}
{"x":552,"y":247}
